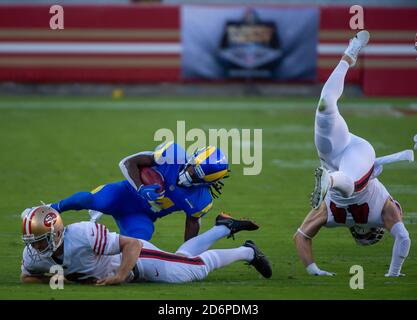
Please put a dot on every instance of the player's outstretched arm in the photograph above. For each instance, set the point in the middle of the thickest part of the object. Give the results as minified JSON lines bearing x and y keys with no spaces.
{"x":192,"y":227}
{"x":131,"y":164}
{"x":303,"y":239}
{"x":130,"y":249}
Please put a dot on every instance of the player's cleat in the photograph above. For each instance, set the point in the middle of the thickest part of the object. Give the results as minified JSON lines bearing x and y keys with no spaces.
{"x":356,"y":44}
{"x":321,"y":187}
{"x":235,"y":225}
{"x":260,"y":261}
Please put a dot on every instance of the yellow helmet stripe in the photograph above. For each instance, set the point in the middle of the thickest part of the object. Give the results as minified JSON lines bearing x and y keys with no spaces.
{"x":204,"y":155}
{"x":215,"y":176}
{"x":158,"y":153}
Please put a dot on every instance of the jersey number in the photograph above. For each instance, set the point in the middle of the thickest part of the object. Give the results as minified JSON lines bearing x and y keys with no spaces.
{"x":359,"y":213}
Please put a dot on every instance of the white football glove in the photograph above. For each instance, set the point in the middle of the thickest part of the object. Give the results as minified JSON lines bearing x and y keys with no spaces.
{"x":315,"y":271}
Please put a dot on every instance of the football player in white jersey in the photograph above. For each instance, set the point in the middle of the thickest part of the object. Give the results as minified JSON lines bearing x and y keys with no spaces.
{"x":89,"y":253}
{"x":347,"y":192}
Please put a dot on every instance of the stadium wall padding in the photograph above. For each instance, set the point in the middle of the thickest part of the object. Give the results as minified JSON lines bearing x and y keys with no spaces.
{"x":148,"y":50}
{"x":123,"y":43}
{"x":389,"y":66}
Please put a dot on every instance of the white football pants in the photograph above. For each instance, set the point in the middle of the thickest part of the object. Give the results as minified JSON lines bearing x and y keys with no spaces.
{"x":349,"y":158}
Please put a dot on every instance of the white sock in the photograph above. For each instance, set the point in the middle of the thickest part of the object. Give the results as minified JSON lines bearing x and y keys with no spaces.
{"x":219,"y":258}
{"x":401,"y":247}
{"x":333,"y":89}
{"x":343,"y":184}
{"x":197,"y":245}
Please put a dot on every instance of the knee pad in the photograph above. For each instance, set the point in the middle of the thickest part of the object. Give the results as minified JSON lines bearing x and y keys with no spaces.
{"x":342,"y":183}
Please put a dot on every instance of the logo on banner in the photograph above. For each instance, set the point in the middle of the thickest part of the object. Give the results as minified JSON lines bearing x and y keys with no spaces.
{"x":250,"y":47}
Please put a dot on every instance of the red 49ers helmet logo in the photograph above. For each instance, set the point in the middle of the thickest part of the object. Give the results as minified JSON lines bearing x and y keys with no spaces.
{"x":49,"y":219}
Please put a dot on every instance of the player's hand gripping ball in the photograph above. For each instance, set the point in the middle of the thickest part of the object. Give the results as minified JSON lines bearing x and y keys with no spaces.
{"x":153,"y":185}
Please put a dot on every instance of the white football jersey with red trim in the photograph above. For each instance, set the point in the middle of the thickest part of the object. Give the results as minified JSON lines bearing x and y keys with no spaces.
{"x":90,"y":252}
{"x":363,"y":208}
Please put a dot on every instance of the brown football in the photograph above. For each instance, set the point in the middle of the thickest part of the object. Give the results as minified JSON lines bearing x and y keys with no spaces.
{"x":151,"y":176}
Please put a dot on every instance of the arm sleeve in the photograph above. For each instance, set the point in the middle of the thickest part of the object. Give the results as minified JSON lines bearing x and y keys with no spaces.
{"x":102,"y":241}
{"x":124,"y":170}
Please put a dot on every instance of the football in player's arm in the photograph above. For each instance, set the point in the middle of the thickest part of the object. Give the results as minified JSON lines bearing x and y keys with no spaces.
{"x":130,"y":168}
{"x":190,"y":184}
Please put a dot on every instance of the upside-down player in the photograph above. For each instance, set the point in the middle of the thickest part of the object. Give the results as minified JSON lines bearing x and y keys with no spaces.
{"x":89,"y":253}
{"x":347,"y":191}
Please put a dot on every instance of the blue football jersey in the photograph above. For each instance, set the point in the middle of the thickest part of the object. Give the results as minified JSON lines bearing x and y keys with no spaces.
{"x":195,"y":201}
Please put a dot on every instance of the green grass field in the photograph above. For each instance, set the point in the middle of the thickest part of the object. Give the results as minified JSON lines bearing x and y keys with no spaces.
{"x":52,"y":147}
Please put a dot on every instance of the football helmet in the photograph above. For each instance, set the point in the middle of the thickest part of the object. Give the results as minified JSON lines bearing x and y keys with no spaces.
{"x":366,"y":236}
{"x":210,"y":165}
{"x":42,"y":223}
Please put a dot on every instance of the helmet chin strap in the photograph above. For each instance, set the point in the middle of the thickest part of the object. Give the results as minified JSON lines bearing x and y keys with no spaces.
{"x":185,"y":180}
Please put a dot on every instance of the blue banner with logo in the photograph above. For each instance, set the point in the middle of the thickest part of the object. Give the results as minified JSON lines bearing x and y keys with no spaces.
{"x":249,"y":42}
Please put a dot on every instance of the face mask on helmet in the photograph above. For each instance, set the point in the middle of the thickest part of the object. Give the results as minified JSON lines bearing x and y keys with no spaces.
{"x":44,"y":245}
{"x":365,"y":236}
{"x":184,"y":178}
{"x":205,"y":167}
{"x":43,"y":231}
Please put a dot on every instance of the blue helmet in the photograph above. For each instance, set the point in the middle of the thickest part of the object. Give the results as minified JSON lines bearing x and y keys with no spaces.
{"x":210,"y":164}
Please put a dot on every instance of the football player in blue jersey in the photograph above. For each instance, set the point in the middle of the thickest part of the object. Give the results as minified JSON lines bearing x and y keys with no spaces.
{"x":191,"y":183}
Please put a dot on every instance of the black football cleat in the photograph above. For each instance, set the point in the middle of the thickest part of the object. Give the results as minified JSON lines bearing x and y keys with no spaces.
{"x":235,"y":225}
{"x":260,"y":261}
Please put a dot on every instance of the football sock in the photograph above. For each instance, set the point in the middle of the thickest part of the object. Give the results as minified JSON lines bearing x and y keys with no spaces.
{"x":203,"y":242}
{"x":401,"y":247}
{"x":218,"y":258}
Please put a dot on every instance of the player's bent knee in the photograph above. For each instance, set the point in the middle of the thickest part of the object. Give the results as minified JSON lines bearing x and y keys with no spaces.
{"x":342,"y":183}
